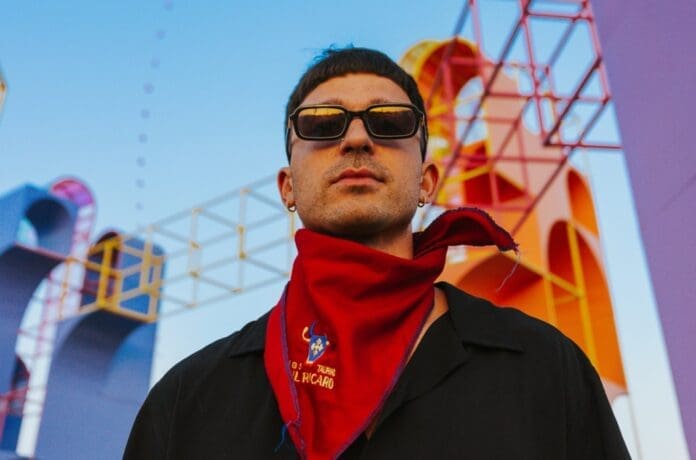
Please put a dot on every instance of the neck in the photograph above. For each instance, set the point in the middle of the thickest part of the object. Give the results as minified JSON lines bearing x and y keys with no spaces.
{"x":398,"y":243}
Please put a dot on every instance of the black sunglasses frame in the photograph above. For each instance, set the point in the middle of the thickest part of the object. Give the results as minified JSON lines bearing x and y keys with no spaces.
{"x":350,"y":115}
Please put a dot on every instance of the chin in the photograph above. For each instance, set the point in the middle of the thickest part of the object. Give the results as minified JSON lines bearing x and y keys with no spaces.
{"x":358,"y":217}
{"x":367,"y":223}
{"x":357,"y":223}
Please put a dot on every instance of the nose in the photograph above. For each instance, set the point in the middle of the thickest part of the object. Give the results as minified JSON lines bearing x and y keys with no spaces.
{"x":356,"y":138}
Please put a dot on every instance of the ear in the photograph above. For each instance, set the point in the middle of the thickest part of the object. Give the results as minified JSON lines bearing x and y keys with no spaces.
{"x":285,"y":186}
{"x":430,"y":178}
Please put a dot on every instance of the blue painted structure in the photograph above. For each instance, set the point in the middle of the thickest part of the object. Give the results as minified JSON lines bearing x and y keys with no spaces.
{"x":26,"y":261}
{"x":101,"y":363}
{"x":100,"y":372}
{"x":13,"y":417}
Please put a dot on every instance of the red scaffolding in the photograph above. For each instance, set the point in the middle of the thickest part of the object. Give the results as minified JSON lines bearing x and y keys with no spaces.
{"x":552,"y":110}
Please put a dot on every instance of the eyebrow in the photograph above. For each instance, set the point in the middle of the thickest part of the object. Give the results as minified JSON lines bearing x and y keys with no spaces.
{"x":338,"y":101}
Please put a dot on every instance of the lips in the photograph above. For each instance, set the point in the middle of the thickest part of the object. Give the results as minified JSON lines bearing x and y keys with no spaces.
{"x":357,"y":175}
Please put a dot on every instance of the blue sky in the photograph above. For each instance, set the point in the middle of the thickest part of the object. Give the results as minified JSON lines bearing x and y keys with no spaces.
{"x":159,"y":105}
{"x":219,"y":73}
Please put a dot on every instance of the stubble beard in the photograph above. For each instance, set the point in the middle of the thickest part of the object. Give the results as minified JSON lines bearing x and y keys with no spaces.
{"x":362,"y":213}
{"x":360,"y":216}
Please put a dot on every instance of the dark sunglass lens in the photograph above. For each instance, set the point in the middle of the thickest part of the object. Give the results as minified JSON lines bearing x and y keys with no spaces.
{"x":392,"y":121}
{"x":320,"y":122}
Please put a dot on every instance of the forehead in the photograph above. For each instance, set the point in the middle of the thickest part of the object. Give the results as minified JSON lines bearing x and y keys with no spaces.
{"x":355,"y":91}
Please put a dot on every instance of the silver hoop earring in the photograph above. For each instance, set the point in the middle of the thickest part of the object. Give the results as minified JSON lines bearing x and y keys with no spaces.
{"x":421,"y":203}
{"x":292,"y":207}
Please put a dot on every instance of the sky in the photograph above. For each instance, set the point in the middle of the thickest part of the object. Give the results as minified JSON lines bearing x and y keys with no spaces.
{"x":213,"y":77}
{"x":160,"y":105}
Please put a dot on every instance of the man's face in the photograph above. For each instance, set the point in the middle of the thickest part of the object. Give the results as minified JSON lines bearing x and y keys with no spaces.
{"x":356,"y":187}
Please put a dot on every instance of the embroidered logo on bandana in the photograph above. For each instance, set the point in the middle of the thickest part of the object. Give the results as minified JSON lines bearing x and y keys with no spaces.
{"x":317,"y":344}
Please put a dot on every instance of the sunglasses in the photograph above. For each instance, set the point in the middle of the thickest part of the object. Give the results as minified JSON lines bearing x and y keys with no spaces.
{"x":382,"y":121}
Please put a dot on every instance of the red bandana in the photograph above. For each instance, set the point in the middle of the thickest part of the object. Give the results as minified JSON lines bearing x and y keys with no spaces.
{"x":340,"y":336}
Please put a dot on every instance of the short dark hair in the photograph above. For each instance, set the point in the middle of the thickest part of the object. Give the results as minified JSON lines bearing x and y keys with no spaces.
{"x":336,"y":62}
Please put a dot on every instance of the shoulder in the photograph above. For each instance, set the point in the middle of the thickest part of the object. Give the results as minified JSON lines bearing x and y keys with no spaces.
{"x":540,"y":346}
{"x":195,"y":368}
{"x":543,"y":353}
{"x":481,"y":322}
{"x":193,"y":388}
{"x":550,"y":367}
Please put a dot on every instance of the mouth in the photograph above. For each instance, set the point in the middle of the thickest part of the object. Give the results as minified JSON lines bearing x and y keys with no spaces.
{"x":352,"y":176}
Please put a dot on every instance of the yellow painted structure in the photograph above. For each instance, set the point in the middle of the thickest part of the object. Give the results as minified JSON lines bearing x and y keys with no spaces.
{"x":228,"y":245}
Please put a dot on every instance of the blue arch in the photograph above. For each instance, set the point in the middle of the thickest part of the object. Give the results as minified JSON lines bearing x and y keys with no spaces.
{"x":13,"y":418}
{"x":23,"y":266}
{"x":100,"y":374}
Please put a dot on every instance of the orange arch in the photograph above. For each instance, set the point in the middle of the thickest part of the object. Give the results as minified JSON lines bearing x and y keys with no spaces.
{"x":424,"y":59}
{"x":583,"y":311}
{"x":523,"y":288}
{"x":581,"y":204}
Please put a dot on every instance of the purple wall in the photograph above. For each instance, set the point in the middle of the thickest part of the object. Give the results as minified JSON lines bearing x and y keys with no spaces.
{"x":648,"y":49}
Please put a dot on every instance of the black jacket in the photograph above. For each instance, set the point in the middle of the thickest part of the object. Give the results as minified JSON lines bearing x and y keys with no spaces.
{"x":484,"y":383}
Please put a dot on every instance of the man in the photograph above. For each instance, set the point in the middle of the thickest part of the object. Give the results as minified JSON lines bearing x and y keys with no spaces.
{"x":363,"y":357}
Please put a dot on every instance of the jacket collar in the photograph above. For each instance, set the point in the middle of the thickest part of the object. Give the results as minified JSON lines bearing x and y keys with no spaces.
{"x":479,"y":322}
{"x":251,"y":338}
{"x":476,"y":322}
